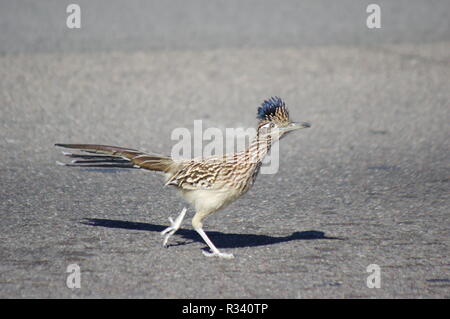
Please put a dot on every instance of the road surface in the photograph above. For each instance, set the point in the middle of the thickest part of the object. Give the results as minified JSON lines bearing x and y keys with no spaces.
{"x":369,"y":183}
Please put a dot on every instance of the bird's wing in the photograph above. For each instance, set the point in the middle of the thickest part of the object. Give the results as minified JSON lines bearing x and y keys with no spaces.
{"x":207,"y":174}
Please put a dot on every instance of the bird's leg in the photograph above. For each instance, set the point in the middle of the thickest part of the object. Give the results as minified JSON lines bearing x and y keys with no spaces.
{"x":215,"y":251}
{"x":174,"y":226}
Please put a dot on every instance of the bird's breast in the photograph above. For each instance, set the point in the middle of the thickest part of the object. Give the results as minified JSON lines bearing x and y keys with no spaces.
{"x":210,"y":200}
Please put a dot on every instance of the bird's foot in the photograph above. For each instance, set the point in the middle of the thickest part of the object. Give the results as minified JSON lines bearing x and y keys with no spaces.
{"x":174,"y":226}
{"x":218,"y":254}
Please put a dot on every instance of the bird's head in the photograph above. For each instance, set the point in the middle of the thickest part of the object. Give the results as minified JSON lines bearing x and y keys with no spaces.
{"x":274,"y":119}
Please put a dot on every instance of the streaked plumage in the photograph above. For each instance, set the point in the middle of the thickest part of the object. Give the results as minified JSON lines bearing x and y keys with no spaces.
{"x":208,"y":184}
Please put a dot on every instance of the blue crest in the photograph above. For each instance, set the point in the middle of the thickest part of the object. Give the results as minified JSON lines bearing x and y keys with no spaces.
{"x":268,"y":107}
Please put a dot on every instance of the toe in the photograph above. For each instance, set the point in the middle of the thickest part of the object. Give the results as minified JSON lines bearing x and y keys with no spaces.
{"x":218,"y":254}
{"x":226,"y":256}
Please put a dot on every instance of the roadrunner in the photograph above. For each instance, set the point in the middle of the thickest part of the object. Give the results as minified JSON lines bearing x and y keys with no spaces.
{"x":208,"y":184}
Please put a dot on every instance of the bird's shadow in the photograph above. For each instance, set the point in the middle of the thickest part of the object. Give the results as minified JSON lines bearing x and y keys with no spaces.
{"x":222,"y":240}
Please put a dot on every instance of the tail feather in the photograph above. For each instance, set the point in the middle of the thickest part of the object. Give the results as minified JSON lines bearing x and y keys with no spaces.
{"x":117,"y":157}
{"x":103,"y":165}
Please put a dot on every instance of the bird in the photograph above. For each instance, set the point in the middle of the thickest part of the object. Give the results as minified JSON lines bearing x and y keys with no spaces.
{"x":208,"y":184}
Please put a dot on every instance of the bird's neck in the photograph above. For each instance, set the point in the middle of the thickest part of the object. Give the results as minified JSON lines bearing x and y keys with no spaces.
{"x":258,"y":148}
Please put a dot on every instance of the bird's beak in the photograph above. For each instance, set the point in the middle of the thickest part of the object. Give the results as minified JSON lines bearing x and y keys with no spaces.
{"x":295,"y":126}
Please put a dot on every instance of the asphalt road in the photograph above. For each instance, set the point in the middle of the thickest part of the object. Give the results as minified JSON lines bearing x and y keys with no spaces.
{"x":369,"y":183}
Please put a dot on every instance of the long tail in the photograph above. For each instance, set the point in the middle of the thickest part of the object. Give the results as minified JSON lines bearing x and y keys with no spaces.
{"x":115,"y":157}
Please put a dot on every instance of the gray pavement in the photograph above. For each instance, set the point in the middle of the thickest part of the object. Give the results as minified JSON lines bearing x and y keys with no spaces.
{"x":369,"y":183}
